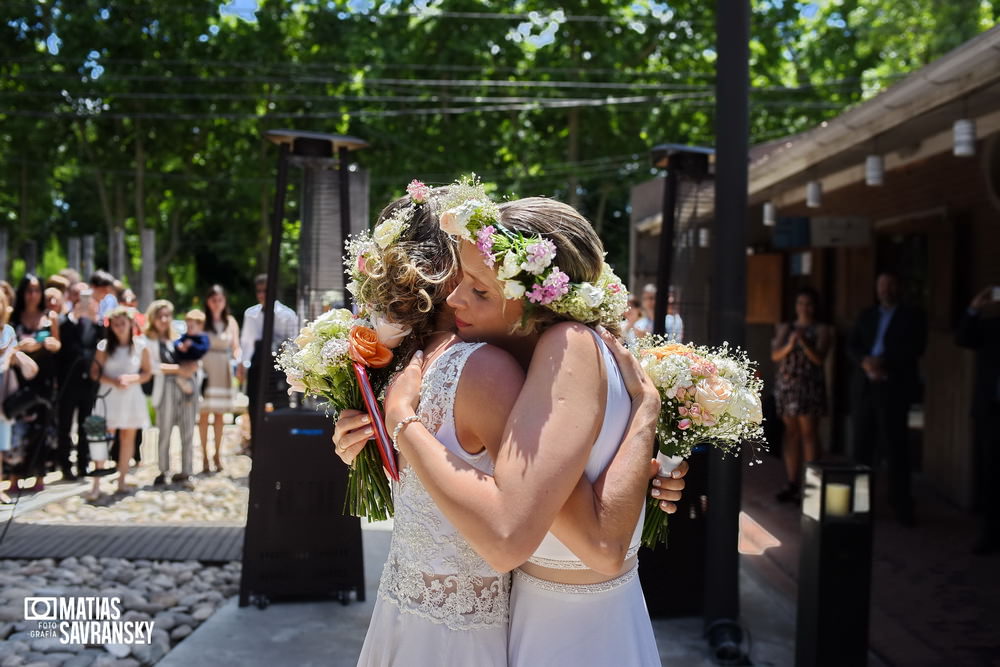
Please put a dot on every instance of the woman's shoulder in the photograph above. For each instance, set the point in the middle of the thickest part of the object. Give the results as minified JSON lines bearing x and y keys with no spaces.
{"x":566,"y":339}
{"x":488,"y":364}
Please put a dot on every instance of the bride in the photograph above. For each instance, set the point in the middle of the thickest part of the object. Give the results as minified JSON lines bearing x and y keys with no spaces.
{"x":432,"y":573}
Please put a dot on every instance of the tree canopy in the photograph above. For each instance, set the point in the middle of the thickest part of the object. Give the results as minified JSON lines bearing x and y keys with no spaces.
{"x":136,"y":115}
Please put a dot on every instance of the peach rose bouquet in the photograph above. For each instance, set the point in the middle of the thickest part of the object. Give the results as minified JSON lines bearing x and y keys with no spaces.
{"x":331,"y":359}
{"x":708,"y":395}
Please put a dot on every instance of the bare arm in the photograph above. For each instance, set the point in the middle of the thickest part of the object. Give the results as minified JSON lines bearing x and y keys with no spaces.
{"x":541,"y":457}
{"x":778,"y":350}
{"x":598,"y":523}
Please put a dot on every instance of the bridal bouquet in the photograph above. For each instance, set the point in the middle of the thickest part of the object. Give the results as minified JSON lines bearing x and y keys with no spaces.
{"x":330,"y":359}
{"x":708,"y":395}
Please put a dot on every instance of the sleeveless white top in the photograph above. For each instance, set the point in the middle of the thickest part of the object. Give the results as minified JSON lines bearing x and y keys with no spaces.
{"x":432,"y":571}
{"x":553,"y":553}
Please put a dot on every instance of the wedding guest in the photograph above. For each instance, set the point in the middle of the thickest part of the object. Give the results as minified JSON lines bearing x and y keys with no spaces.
{"x":122,"y":363}
{"x":10,"y":358}
{"x":224,"y":336}
{"x":885,"y":346}
{"x":102,"y":283}
{"x":191,"y":347}
{"x":72,"y":276}
{"x":632,"y":316}
{"x":54,"y":300}
{"x":673,"y":325}
{"x":286,"y":327}
{"x":79,"y":331}
{"x":38,"y":337}
{"x":174,"y":407}
{"x":800,"y":348}
{"x":979,"y":329}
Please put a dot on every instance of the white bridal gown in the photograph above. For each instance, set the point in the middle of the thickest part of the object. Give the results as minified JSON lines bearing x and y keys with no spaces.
{"x":593,"y":625}
{"x":439,"y":603}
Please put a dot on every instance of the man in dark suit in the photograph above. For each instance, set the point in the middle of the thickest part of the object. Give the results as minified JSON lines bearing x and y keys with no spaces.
{"x":80,"y":333}
{"x":979,"y":329}
{"x":885,"y":347}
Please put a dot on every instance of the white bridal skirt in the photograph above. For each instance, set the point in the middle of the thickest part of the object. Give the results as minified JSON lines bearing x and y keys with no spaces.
{"x":594,"y":625}
{"x":402,"y":639}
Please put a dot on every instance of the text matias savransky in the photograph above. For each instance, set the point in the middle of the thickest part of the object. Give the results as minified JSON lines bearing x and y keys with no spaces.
{"x":85,"y":620}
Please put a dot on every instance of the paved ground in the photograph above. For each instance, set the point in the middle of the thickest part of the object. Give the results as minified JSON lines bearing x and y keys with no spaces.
{"x":329,"y":634}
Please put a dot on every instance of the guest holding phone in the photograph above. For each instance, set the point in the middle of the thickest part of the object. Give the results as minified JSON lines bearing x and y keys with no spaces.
{"x":38,"y":337}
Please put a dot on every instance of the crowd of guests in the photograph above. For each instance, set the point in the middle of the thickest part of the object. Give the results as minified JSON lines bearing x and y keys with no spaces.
{"x":81,"y":367}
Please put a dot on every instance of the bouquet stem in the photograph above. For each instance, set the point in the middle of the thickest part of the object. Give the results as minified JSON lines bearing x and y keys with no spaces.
{"x":368,"y":492}
{"x":655,"y":525}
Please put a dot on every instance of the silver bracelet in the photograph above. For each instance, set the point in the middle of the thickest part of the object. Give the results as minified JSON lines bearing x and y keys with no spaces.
{"x":399,"y":427}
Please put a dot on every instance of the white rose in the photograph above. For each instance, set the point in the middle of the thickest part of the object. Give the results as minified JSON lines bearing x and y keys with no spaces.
{"x":746,"y":407}
{"x":512,"y":289}
{"x":389,"y":333}
{"x":511,"y":266}
{"x":455,"y":221}
{"x":591,"y":295}
{"x":386,"y":233}
{"x":714,"y":394}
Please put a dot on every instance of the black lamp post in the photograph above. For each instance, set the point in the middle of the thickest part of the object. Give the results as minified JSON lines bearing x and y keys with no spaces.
{"x":727,"y":312}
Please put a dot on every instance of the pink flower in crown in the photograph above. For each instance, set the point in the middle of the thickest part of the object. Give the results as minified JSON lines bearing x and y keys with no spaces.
{"x":684,"y":424}
{"x":484,"y":241}
{"x":419,"y":193}
{"x":539,"y":255}
{"x":362,"y":265}
{"x":615,"y":288}
{"x":553,"y":287}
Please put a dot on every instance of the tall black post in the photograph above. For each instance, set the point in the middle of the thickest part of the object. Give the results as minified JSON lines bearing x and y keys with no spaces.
{"x":273,"y":266}
{"x":728,"y":312}
{"x":665,"y":262}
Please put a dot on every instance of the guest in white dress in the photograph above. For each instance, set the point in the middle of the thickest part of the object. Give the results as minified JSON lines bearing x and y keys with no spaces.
{"x":121,"y":365}
{"x":569,"y":418}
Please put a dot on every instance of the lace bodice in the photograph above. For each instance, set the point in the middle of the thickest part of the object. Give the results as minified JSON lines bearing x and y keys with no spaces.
{"x":431,"y":570}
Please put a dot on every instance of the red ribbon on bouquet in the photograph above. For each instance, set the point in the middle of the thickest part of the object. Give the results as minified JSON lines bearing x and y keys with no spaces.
{"x":382,"y":441}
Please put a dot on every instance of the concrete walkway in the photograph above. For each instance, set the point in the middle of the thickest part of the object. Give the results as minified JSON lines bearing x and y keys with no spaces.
{"x":330,"y":634}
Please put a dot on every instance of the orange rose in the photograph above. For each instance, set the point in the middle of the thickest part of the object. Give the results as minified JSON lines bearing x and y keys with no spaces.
{"x":366,"y":350}
{"x":667,"y":350}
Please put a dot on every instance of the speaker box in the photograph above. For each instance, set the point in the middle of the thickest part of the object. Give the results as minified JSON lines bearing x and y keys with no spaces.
{"x":298,"y":543}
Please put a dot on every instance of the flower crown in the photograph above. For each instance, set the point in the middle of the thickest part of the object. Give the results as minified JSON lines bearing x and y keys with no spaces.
{"x":524,"y":265}
{"x":362,"y":248}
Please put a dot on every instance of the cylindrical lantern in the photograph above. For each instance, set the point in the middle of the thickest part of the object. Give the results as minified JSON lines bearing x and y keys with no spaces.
{"x":703,"y":237}
{"x":874,"y":170}
{"x":769,"y":220}
{"x":964,"y":137}
{"x":814,"y":194}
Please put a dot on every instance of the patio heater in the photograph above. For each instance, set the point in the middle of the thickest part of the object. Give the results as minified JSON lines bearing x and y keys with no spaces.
{"x":686,"y":552}
{"x":297,"y":543}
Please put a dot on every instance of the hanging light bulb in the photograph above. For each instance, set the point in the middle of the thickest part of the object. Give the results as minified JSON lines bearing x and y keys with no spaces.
{"x":814,"y":194}
{"x":874,"y":170}
{"x":703,"y":237}
{"x":769,"y":220}
{"x":964,"y":132}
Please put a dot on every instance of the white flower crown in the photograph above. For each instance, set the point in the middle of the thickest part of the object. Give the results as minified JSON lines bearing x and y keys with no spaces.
{"x":526,"y":269}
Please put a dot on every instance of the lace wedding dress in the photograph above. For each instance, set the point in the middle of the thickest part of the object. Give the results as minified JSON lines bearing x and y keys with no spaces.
{"x":439,"y":602}
{"x":592,"y":625}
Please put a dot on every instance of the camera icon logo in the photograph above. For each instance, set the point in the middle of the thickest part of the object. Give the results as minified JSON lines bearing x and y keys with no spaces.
{"x":41,"y":609}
